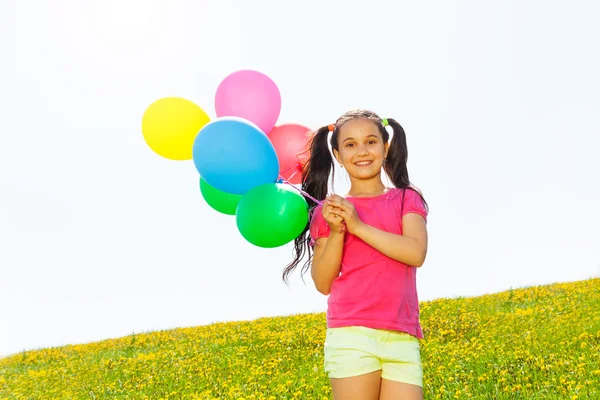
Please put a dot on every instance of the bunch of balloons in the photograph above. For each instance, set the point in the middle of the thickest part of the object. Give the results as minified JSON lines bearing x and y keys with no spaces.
{"x":247,"y":164}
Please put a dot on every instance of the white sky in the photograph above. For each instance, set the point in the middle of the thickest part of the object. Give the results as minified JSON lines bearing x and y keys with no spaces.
{"x":100,"y":237}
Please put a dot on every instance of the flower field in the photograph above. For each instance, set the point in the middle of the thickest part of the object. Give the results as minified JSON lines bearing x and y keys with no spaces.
{"x":539,"y":342}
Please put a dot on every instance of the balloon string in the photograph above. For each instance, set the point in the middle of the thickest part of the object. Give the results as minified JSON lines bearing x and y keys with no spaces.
{"x":292,"y":175}
{"x":296,"y":167}
{"x":304,"y":193}
{"x":300,"y":190}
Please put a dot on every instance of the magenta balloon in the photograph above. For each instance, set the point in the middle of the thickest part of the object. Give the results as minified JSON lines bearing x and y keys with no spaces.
{"x":251,"y":95}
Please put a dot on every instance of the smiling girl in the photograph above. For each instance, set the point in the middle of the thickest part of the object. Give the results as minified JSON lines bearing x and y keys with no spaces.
{"x":367,"y":246}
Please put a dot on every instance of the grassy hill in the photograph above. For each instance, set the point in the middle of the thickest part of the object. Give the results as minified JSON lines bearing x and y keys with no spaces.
{"x":533,"y":343}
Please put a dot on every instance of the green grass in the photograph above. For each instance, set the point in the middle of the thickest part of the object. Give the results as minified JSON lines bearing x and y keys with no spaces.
{"x":539,"y":342}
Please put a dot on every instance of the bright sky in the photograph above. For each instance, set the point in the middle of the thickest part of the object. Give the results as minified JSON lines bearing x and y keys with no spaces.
{"x":100,"y":237}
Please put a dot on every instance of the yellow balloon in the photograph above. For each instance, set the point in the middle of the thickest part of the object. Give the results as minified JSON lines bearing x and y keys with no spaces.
{"x":170,"y":126}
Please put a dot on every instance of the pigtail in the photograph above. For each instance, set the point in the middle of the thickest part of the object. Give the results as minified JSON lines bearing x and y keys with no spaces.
{"x":316,"y":171}
{"x":315,"y":178}
{"x":396,"y":162}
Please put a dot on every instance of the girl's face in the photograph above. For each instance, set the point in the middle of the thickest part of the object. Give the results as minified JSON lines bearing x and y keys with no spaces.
{"x":361,"y":148}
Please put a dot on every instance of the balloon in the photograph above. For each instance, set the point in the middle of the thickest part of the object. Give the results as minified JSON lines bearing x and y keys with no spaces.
{"x":290,"y":141}
{"x":170,"y":125}
{"x":234,"y":155}
{"x":250,"y":95}
{"x":271,"y":215}
{"x":223,"y":202}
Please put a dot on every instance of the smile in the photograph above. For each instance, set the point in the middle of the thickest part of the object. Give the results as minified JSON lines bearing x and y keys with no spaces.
{"x":363,"y":163}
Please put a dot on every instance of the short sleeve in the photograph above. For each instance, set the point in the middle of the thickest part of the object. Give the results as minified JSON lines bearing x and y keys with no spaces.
{"x":414,"y":204}
{"x":318,"y":225}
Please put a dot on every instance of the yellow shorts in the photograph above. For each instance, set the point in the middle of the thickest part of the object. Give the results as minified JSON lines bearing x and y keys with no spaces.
{"x":356,"y":350}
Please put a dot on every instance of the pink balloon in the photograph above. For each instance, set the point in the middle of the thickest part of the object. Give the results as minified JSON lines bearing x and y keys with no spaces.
{"x":250,"y":95}
{"x":290,"y":142}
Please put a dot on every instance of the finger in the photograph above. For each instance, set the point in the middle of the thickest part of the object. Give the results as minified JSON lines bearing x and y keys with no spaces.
{"x":336,"y":210}
{"x":347,"y":203}
{"x":335,"y":219}
{"x":331,"y":210}
{"x":328,"y":209}
{"x":343,"y":207}
{"x":336,"y":215}
{"x":332,"y":206}
{"x":343,"y":214}
{"x":334,"y":198}
{"x":339,"y":200}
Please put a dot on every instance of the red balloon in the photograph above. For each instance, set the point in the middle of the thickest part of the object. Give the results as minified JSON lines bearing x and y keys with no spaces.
{"x":290,"y":142}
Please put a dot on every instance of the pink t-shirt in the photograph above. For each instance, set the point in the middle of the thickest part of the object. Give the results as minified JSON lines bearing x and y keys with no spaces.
{"x":374,"y":290}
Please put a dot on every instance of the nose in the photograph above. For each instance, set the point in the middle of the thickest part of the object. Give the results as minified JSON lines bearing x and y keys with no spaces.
{"x":362,"y":150}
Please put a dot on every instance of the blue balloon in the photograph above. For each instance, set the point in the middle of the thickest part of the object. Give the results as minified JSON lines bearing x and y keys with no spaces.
{"x":234,"y":155}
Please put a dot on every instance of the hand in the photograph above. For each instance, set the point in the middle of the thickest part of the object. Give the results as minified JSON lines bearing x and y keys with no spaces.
{"x":345,"y":209}
{"x":332,"y":216}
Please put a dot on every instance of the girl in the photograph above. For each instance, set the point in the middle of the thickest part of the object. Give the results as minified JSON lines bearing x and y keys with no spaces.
{"x":367,"y":248}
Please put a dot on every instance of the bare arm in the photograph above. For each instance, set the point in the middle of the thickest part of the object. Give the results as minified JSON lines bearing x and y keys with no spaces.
{"x":327,"y":261}
{"x":409,"y":248}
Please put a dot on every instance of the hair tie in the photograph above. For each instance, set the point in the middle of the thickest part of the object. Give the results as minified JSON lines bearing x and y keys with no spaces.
{"x":331,"y":128}
{"x":384,"y":122}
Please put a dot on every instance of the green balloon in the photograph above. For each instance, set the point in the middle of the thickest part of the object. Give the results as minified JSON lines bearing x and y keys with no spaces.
{"x":223,"y":202}
{"x":271,"y":215}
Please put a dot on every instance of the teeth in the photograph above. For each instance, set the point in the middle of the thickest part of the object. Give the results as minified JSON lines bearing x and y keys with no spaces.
{"x":363,"y":163}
